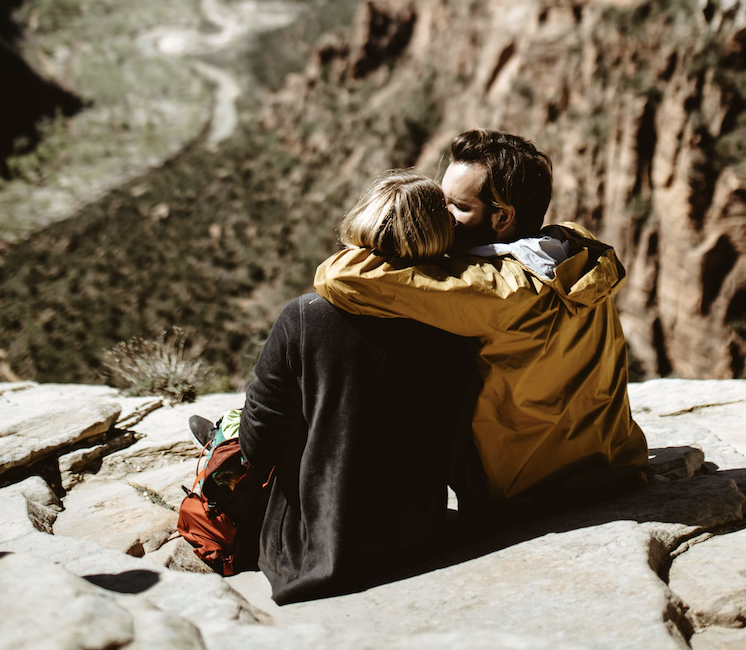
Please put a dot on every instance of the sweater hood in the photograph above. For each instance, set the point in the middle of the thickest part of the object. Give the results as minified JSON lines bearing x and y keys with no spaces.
{"x":540,"y":255}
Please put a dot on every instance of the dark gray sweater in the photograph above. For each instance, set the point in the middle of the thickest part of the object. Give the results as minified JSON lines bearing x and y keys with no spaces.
{"x":359,"y":415}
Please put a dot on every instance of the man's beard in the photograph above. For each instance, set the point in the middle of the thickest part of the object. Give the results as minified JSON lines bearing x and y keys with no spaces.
{"x":466,"y":238}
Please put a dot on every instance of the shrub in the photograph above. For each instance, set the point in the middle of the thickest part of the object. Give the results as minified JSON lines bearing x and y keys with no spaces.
{"x":158,"y":367}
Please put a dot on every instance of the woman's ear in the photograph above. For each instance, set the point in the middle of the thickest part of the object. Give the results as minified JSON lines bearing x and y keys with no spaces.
{"x":503,"y":222}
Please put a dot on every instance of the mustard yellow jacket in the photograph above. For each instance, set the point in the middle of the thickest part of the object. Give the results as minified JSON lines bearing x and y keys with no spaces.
{"x":553,"y":355}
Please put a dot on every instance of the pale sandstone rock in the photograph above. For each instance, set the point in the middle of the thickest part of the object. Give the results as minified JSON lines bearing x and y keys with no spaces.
{"x":135,"y":409}
{"x":172,"y":592}
{"x":39,"y":421}
{"x":705,"y":407}
{"x":42,"y":504}
{"x":168,"y":480}
{"x":565,"y":578}
{"x":72,"y":391}
{"x":312,"y":637}
{"x":74,"y":462}
{"x":51,"y":401}
{"x":37,"y":490}
{"x":672,"y":397}
{"x":116,"y":515}
{"x":690,"y":413}
{"x":22,"y":516}
{"x":711,"y":578}
{"x":46,"y":606}
{"x":178,"y":555}
{"x":674,"y":463}
{"x":166,"y":436}
{"x":44,"y":602}
{"x":15,"y":386}
{"x":718,"y":638}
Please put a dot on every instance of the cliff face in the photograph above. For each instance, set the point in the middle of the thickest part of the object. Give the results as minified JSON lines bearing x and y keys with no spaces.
{"x":639,"y":103}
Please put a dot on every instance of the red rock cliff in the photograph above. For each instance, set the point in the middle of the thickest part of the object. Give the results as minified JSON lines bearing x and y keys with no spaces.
{"x":639,"y":103}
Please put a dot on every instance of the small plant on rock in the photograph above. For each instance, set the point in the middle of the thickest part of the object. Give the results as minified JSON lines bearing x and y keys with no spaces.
{"x":157,"y":367}
{"x":153,"y":496}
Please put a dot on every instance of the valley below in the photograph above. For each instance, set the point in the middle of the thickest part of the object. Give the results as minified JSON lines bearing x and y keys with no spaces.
{"x":201,"y":179}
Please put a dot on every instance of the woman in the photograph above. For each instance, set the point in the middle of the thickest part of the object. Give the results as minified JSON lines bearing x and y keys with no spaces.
{"x":358,"y":414}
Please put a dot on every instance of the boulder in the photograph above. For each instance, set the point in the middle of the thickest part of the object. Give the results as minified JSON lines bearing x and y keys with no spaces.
{"x":41,"y":421}
{"x":665,"y":464}
{"x":711,"y":578}
{"x":719,"y":638}
{"x":118,"y":515}
{"x":178,"y":555}
{"x":51,"y":607}
{"x":205,"y":600}
{"x":73,"y":464}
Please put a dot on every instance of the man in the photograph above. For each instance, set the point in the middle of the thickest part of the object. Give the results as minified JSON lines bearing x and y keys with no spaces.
{"x":553,"y":417}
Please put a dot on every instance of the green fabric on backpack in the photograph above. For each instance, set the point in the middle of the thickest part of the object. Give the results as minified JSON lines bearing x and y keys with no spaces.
{"x":229,"y":425}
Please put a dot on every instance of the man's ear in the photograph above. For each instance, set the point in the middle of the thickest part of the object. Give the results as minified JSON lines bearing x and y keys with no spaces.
{"x":503,"y":222}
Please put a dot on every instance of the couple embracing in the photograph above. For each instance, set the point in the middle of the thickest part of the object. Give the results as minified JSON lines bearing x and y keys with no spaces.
{"x":453,"y":341}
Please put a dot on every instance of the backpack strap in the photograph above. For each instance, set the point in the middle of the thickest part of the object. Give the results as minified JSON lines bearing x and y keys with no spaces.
{"x":203,"y":473}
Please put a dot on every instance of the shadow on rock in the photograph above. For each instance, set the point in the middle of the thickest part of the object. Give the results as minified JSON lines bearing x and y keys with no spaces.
{"x":696,"y":504}
{"x":127,"y":582}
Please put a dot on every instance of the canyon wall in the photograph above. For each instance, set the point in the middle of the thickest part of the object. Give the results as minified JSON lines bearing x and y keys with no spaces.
{"x":640,"y":105}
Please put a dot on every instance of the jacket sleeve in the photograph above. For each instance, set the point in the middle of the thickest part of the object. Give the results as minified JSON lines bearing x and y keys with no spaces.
{"x":464,"y":296}
{"x":272,"y":411}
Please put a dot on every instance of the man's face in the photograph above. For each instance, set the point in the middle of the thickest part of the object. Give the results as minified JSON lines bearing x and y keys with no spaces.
{"x":461,"y":184}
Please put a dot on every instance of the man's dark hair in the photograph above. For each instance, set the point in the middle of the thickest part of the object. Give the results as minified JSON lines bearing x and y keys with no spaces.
{"x":519,"y":175}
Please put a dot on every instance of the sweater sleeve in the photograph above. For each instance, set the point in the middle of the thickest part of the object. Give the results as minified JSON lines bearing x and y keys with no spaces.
{"x":272,"y":410}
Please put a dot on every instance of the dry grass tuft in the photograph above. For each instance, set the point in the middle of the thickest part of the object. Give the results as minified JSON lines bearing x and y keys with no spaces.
{"x":158,"y":367}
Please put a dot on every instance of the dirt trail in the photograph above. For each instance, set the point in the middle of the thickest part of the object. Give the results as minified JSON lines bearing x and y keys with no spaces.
{"x":234,"y":21}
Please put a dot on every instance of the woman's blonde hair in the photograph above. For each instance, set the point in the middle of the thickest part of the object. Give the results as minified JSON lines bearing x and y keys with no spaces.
{"x":403,"y":215}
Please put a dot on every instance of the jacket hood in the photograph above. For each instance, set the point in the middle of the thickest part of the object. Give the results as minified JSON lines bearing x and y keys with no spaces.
{"x":591,"y":274}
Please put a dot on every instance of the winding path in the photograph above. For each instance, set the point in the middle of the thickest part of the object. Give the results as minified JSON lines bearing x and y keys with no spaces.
{"x":235,"y":21}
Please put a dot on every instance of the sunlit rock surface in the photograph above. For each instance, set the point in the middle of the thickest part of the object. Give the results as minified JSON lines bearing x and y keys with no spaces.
{"x":657,"y":568}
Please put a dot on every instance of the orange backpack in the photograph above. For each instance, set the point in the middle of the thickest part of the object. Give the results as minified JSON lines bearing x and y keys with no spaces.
{"x":221,"y":516}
